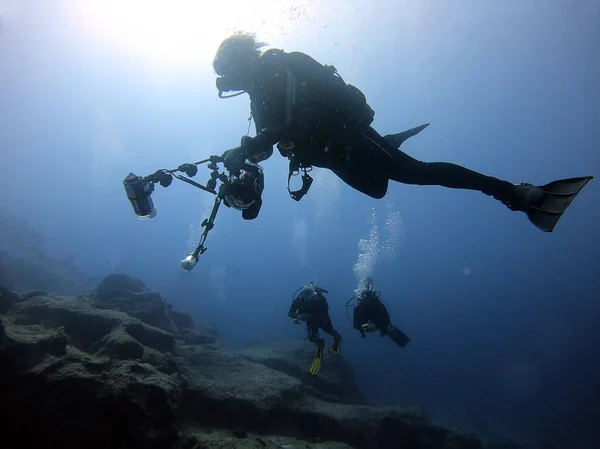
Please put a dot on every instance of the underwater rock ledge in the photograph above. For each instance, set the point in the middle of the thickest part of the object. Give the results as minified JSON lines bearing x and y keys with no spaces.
{"x":118,"y":368}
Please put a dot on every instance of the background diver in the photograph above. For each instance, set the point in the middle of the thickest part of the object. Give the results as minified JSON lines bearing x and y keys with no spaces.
{"x":370,"y":314}
{"x":310,"y":306}
{"x":316,"y":119}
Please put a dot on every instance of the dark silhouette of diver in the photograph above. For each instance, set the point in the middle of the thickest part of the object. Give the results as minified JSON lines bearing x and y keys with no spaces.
{"x":310,"y":306}
{"x":316,"y":119}
{"x":370,"y":314}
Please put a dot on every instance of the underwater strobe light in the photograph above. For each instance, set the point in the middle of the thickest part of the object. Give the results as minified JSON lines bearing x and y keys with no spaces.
{"x":139,"y":191}
{"x":190,"y":261}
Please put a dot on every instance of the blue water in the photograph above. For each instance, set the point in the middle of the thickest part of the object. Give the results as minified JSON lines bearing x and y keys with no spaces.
{"x":503,"y":318}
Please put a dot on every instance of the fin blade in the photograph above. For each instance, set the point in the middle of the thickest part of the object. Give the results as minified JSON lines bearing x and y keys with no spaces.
{"x":397,"y":336}
{"x":399,"y":138}
{"x":317,"y":362}
{"x":315,"y":367}
{"x":558,"y":196}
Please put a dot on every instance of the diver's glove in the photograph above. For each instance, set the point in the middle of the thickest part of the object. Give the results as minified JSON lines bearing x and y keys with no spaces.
{"x":299,"y":317}
{"x":255,"y":152}
{"x":234,"y":158}
{"x":368,"y":327}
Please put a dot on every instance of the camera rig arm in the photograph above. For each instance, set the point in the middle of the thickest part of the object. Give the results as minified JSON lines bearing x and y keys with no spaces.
{"x":139,"y":190}
{"x":165,"y":177}
{"x":191,"y":259}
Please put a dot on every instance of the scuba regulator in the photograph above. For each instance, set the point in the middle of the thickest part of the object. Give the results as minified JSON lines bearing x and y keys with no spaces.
{"x":241,"y":190}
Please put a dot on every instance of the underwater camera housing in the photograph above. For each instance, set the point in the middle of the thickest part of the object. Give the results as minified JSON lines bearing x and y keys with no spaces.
{"x":240,"y":190}
{"x":243,"y":190}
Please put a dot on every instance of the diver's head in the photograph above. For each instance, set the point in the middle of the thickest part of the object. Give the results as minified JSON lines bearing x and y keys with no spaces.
{"x":235,"y":62}
{"x":308,"y":292}
{"x":365,"y":293}
{"x":244,"y":188}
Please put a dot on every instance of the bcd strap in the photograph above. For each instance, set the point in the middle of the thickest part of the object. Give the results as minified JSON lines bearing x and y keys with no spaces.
{"x":306,"y":180}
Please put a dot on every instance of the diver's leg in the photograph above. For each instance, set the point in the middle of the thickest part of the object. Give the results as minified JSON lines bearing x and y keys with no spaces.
{"x":317,"y":360}
{"x":312,"y":331}
{"x":327,"y":327}
{"x":375,"y":187}
{"x":408,"y":170}
{"x":372,"y":160}
{"x":350,"y":158}
{"x":536,"y":201}
{"x":544,"y":205}
{"x":400,"y":167}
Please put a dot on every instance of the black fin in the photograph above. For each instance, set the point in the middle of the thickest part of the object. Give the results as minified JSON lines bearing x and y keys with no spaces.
{"x":397,"y":336}
{"x":558,"y":195}
{"x":400,"y":138}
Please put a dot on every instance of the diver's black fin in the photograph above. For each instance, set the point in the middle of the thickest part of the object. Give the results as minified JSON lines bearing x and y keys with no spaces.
{"x":398,"y":139}
{"x":397,"y":336}
{"x":557,"y":196}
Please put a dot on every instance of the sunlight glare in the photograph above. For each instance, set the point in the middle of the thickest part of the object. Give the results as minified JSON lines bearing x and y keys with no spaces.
{"x":184,"y":32}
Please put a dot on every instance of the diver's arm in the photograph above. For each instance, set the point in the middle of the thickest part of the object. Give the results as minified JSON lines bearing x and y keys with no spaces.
{"x":357,"y":321}
{"x":259,"y":148}
{"x":268,"y":106}
{"x":255,"y":149}
{"x":293,"y":308}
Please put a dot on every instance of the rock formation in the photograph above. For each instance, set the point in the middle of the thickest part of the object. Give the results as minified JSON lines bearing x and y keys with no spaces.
{"x":118,"y":368}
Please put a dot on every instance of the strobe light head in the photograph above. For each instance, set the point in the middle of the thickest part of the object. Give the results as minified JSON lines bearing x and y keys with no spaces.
{"x":189,"y":262}
{"x":139,"y":191}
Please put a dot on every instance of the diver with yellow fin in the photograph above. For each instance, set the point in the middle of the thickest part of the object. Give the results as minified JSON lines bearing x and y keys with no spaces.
{"x":371,"y":314}
{"x":310,"y":305}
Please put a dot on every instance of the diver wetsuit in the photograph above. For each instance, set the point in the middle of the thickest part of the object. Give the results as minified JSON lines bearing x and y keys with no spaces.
{"x":371,"y":309}
{"x":311,"y":306}
{"x":316,"y":119}
{"x":286,"y":111}
{"x":370,"y":314}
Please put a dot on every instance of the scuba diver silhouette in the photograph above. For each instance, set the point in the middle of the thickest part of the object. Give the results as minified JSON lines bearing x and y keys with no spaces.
{"x":316,"y":119}
{"x":371,"y":314}
{"x":310,"y":305}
